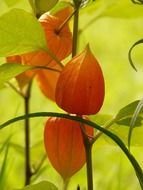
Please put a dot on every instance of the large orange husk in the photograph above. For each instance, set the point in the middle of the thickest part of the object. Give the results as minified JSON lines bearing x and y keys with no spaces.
{"x":64,"y":145}
{"x":59,"y":42}
{"x":80,"y":87}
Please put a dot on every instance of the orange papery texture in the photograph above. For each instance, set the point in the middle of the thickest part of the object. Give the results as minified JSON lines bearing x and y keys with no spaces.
{"x":64,"y":145}
{"x":61,"y":45}
{"x":58,"y":42}
{"x":80,"y":87}
{"x":47,"y":81}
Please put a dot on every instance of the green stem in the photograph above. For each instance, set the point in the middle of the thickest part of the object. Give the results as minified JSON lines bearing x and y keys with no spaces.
{"x":65,"y":22}
{"x":88,"y":151}
{"x":111,"y":135}
{"x":28,"y":172}
{"x":75,"y":31}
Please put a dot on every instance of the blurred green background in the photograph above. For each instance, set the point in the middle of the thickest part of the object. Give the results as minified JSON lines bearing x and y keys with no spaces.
{"x":110,"y":28}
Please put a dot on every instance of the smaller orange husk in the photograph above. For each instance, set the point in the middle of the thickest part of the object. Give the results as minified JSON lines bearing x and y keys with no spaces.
{"x":59,"y":43}
{"x":47,"y":81}
{"x":80,"y":87}
{"x":64,"y":145}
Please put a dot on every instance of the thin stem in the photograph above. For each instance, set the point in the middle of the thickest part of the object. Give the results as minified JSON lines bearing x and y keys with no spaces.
{"x":78,"y":187}
{"x":88,"y":151}
{"x":86,"y":140}
{"x":26,"y":97}
{"x":110,"y":134}
{"x":75,"y":31}
{"x":28,"y":172}
{"x":65,"y":22}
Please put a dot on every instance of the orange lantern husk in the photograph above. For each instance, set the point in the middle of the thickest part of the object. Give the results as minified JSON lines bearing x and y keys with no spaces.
{"x":47,"y":81}
{"x":64,"y":145}
{"x":58,"y":42}
{"x":80,"y":87}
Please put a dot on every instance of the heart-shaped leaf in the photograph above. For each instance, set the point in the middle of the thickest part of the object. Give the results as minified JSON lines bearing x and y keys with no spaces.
{"x":20,"y":32}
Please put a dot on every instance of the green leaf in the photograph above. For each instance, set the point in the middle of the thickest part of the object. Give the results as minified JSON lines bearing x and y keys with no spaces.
{"x":127,"y":111}
{"x":123,"y":9}
{"x":7,"y":5}
{"x":4,"y":165}
{"x":117,"y":9}
{"x":59,"y":6}
{"x":123,"y":120}
{"x":20,"y":32}
{"x":43,"y":6}
{"x":44,"y":185}
{"x":10,"y":70}
{"x":134,"y":119}
{"x":120,"y":124}
{"x":10,"y":3}
{"x":4,"y":144}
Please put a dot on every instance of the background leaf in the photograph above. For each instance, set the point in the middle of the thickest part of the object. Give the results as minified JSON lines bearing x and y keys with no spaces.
{"x":123,"y":8}
{"x":120,"y":124}
{"x":134,"y":119}
{"x":117,"y":9}
{"x":127,"y":111}
{"x":44,"y":185}
{"x":10,"y":70}
{"x":43,"y":6}
{"x":4,"y":164}
{"x":7,"y":5}
{"x":59,"y":6}
{"x":20,"y":32}
{"x":10,"y":2}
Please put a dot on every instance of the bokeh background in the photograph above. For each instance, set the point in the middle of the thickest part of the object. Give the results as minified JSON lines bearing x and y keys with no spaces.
{"x":110,"y":28}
